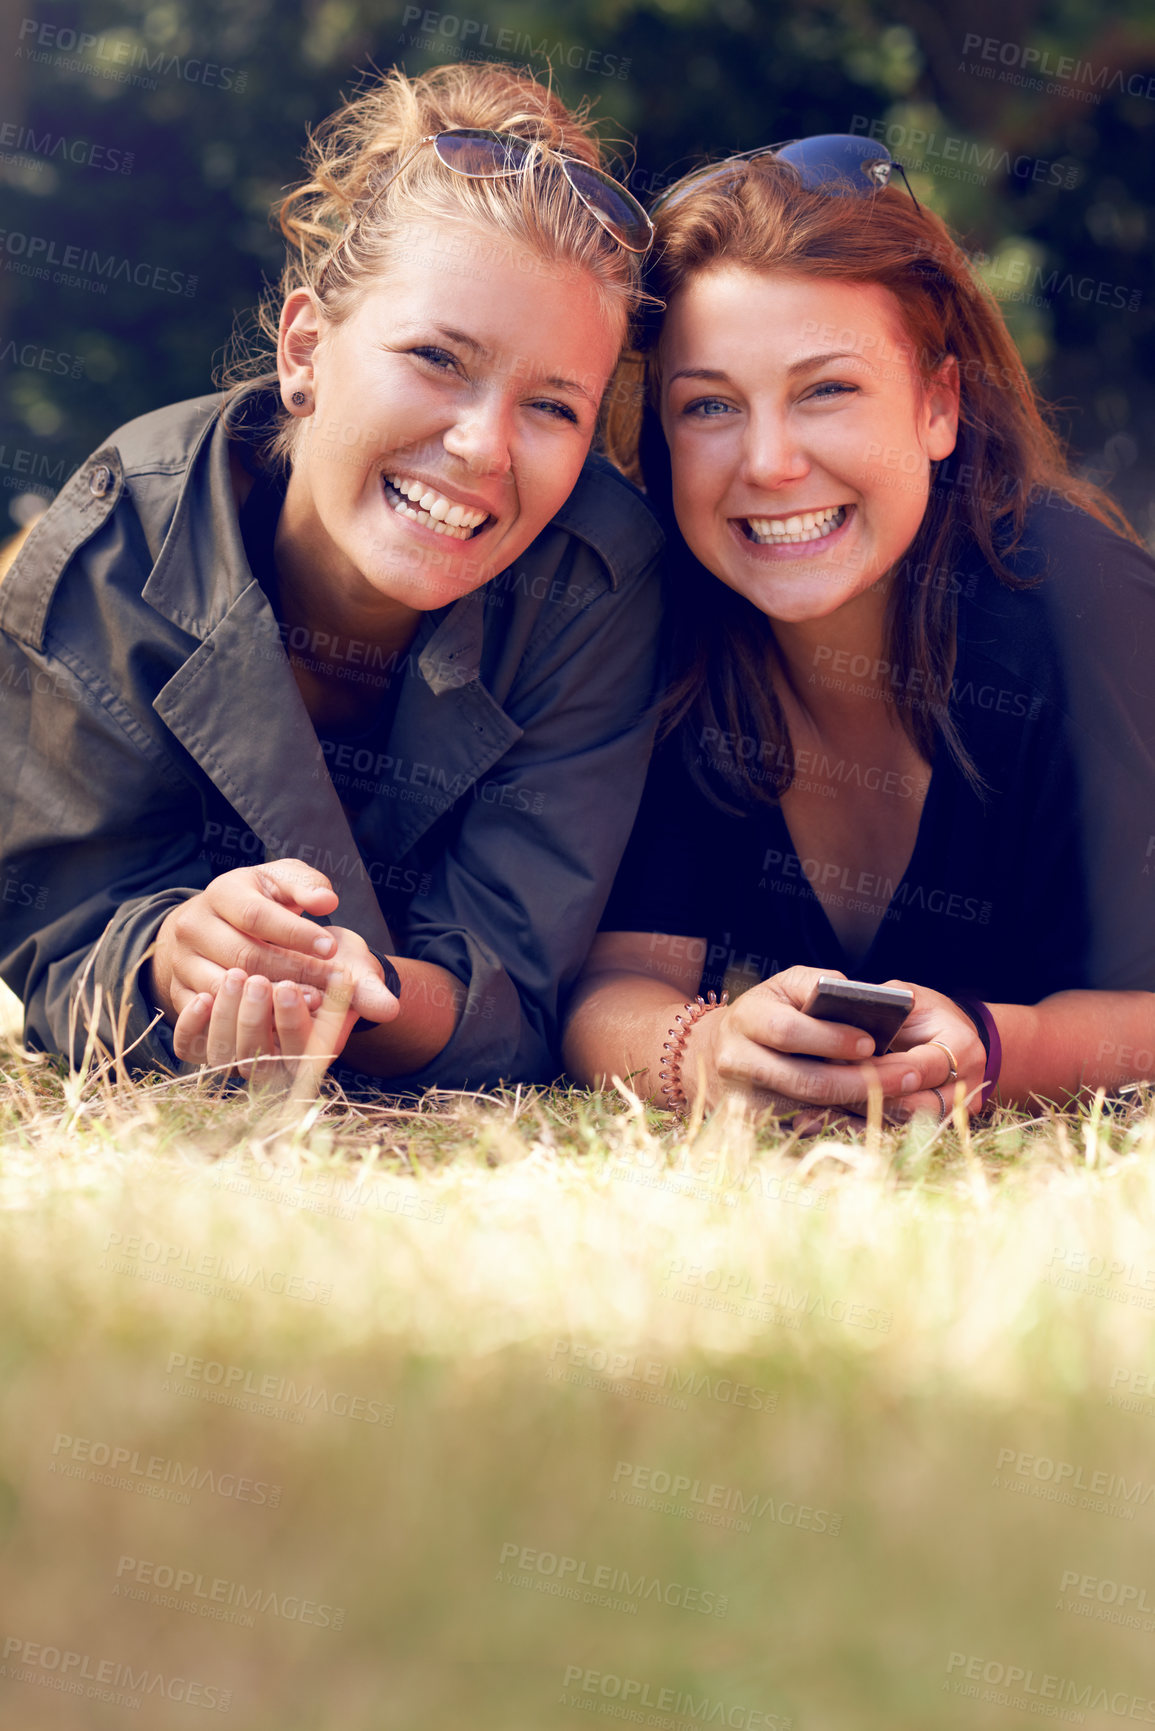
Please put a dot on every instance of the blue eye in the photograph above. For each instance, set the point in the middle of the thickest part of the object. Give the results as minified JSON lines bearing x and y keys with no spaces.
{"x":707,"y":408}
{"x":560,"y":411}
{"x":832,"y":388}
{"x":439,"y":358}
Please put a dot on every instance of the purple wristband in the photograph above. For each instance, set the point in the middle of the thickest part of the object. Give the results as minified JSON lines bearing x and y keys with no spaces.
{"x":985,"y":1023}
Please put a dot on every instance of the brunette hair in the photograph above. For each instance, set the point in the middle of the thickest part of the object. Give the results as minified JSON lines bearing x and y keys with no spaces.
{"x":344,"y":222}
{"x":762,"y":218}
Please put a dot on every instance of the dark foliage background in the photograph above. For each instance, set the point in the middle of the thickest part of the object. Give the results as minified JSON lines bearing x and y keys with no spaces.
{"x":156,"y":132}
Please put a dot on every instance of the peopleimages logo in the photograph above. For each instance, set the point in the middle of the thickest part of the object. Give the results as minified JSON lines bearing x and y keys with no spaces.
{"x":965,"y":1671}
{"x":146,"y":1579}
{"x":60,"y":1668}
{"x":563,"y":1576}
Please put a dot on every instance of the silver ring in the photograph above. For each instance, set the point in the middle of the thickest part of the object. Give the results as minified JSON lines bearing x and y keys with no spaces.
{"x":937,"y":1092}
{"x":953,"y":1074}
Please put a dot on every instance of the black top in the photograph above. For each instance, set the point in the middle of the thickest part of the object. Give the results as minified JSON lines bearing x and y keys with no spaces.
{"x":1039,"y":884}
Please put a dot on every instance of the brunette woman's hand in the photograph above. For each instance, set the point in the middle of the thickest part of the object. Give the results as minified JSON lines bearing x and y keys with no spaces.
{"x":935,"y":1026}
{"x":765,"y":1050}
{"x":267,"y":1031}
{"x":250,"y":920}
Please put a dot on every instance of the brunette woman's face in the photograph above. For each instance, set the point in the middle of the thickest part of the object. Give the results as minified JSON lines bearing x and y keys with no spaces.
{"x":448,"y":417}
{"x":801,"y":435}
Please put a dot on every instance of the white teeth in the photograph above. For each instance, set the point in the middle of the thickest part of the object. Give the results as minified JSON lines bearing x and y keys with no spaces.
{"x":433,"y":510}
{"x":790,"y":531}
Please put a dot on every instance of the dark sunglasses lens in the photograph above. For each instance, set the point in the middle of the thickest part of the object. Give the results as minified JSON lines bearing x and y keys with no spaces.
{"x":481,"y":155}
{"x":839,"y":163}
{"x":616,"y":209}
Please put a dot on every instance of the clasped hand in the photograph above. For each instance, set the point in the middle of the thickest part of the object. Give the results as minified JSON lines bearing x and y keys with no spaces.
{"x":763,"y":1049}
{"x":250,"y":983}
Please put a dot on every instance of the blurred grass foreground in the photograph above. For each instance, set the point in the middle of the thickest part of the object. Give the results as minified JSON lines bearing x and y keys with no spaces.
{"x":524,"y":1412}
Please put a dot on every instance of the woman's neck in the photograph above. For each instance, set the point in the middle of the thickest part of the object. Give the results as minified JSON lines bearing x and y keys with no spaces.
{"x":836,"y":669}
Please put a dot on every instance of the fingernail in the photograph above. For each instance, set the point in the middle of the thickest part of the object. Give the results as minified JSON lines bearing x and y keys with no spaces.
{"x":286,"y":994}
{"x":257,"y":989}
{"x":864,"y":1048}
{"x":233,"y":984}
{"x":324,"y":945}
{"x":909,"y":1082}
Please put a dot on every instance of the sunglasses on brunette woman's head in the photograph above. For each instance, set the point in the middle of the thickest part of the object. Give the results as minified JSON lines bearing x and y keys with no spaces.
{"x":481,"y":155}
{"x":835,"y":162}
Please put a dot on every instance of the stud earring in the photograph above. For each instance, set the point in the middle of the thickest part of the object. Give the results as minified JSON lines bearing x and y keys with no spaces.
{"x":299,"y":399}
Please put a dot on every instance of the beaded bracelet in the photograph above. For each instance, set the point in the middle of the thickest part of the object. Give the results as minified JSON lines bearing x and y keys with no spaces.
{"x":989,"y":1035}
{"x":670,"y":1074}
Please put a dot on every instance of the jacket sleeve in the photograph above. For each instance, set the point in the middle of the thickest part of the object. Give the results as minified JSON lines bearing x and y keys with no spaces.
{"x":517,"y":893}
{"x":98,"y":840}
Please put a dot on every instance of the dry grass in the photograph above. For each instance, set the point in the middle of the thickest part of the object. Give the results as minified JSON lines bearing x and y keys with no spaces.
{"x":460,"y":1334}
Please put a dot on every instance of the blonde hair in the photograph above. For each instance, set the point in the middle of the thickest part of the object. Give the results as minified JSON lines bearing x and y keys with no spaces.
{"x":343,"y":222}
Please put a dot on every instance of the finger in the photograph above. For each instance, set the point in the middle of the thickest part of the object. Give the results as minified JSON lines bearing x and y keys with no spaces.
{"x":783,"y":1027}
{"x":744,"y":1061}
{"x":241,"y":901}
{"x":328,"y":1031}
{"x":189,"y":1033}
{"x":202,"y":978}
{"x":221,"y":1046}
{"x":255,"y":1037}
{"x":933,"y":1067}
{"x":222,"y":944}
{"x":926,"y":1100}
{"x":294,"y":1024}
{"x":295,"y":884}
{"x":373,"y":999}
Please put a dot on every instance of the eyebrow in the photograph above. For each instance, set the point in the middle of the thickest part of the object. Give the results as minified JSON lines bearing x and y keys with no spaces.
{"x":576,"y":389}
{"x":463,"y":337}
{"x":571,"y":385}
{"x":714,"y":376}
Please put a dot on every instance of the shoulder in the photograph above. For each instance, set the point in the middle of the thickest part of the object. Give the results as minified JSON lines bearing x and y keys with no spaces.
{"x":1081,"y":574}
{"x":1078,"y":636}
{"x":142,"y":468}
{"x":609,"y":515}
{"x":1065,"y":547}
{"x":164,"y":441}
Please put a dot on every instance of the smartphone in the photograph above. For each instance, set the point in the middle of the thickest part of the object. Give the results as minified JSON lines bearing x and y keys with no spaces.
{"x":879,"y":1011}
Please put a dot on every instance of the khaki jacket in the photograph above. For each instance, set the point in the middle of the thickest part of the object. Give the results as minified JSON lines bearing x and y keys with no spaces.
{"x":152,"y":736}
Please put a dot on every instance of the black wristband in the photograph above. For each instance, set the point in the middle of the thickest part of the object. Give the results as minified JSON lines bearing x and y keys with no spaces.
{"x":392,"y":984}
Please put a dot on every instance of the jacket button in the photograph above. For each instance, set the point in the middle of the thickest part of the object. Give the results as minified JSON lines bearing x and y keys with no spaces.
{"x":100,"y":480}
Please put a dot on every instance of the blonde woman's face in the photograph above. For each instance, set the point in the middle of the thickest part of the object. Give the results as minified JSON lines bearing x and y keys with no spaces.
{"x":450,"y":417}
{"x":800,"y":435}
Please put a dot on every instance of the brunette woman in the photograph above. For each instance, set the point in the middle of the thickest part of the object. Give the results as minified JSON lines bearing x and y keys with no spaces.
{"x":915,"y":712}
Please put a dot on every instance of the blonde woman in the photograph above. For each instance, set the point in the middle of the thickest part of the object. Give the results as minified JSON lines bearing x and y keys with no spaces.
{"x":325,"y":702}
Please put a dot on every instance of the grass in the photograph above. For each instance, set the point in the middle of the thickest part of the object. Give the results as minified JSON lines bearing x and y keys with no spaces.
{"x":567,"y":1409}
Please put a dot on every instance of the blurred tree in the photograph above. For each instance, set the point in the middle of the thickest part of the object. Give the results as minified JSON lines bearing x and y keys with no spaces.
{"x":142,"y":141}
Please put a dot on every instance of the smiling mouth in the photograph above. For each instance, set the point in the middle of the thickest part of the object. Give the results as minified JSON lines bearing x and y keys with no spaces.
{"x":792,"y":531}
{"x":432,"y":510}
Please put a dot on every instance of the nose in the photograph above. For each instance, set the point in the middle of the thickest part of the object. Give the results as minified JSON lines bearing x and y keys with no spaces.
{"x":481,"y":436}
{"x":773,"y":453}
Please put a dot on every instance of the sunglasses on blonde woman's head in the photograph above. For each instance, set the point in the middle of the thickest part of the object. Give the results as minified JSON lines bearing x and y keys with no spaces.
{"x":481,"y":155}
{"x":838,"y":163}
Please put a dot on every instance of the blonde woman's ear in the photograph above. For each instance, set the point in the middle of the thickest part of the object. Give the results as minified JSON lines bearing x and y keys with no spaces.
{"x":297,"y":338}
